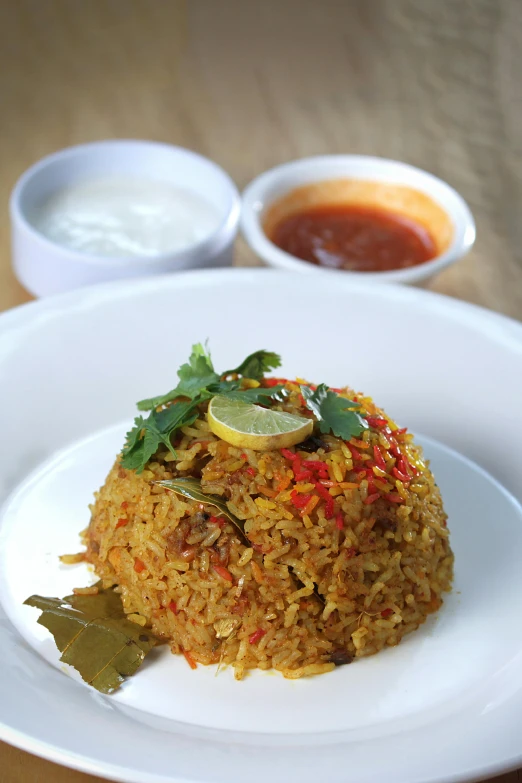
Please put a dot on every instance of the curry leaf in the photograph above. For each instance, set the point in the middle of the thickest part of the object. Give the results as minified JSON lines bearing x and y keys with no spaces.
{"x":256,"y":365}
{"x":333,"y":412}
{"x":95,"y":637}
{"x":191,"y":489}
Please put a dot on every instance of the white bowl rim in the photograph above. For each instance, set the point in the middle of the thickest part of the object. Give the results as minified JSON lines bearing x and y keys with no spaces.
{"x":212,"y":242}
{"x":252,"y":205}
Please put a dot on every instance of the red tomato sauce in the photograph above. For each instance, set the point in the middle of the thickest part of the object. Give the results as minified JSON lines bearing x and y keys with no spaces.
{"x":354,"y":237}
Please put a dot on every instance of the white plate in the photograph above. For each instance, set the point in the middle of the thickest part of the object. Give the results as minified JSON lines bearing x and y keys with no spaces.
{"x":443,"y":706}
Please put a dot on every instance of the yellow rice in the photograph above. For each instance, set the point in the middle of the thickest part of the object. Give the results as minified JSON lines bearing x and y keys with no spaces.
{"x":306,"y":595}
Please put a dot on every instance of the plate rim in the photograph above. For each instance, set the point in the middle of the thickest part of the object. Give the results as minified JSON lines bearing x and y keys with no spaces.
{"x":478,"y":317}
{"x":60,"y":303}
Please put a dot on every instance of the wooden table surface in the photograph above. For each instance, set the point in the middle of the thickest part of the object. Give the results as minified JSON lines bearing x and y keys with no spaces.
{"x":254,"y":84}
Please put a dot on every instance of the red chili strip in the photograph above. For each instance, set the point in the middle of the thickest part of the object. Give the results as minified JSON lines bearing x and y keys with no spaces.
{"x":376,"y":421}
{"x":173,"y":607}
{"x":322,"y":491}
{"x":288,"y":454}
{"x":371,"y":498}
{"x":274,"y":381}
{"x":121,"y":523}
{"x":386,"y":612}
{"x":394,"y":449}
{"x":403,"y":465}
{"x":394,"y":497}
{"x":401,"y":476}
{"x":379,"y":459}
{"x":256,"y":636}
{"x":139,"y":565}
{"x":329,"y":508}
{"x":302,"y":475}
{"x":299,"y":500}
{"x":190,"y":660}
{"x":315,"y":464}
{"x":223,"y":572}
{"x":250,"y":470}
{"x":339,"y":521}
{"x":399,"y":432}
{"x":356,"y":455}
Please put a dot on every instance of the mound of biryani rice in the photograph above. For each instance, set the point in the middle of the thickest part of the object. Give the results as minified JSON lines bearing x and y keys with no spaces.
{"x":339,"y":549}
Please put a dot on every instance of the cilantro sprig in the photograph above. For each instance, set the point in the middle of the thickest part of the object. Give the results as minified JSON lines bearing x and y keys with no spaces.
{"x":194,"y":376}
{"x":256,"y":365}
{"x":334,"y":413}
{"x":198,"y":382}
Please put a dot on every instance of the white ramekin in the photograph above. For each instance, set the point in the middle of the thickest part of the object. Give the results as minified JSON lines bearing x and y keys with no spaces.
{"x":45,"y":267}
{"x":275,"y":183}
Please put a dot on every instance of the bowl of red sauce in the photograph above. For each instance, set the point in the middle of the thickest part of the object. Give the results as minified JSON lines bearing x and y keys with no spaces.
{"x":358,"y":215}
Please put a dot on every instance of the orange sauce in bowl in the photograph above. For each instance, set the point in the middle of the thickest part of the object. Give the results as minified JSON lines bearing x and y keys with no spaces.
{"x":356,"y":238}
{"x":359,"y":226}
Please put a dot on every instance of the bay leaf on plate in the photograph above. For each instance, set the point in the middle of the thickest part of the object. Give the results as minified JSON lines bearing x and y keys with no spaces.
{"x":94,"y":636}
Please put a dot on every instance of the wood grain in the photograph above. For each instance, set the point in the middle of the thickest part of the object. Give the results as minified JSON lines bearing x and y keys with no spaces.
{"x":254,"y":84}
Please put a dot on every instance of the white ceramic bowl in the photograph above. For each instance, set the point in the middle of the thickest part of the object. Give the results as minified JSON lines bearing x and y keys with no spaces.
{"x":45,"y":267}
{"x":266,"y":189}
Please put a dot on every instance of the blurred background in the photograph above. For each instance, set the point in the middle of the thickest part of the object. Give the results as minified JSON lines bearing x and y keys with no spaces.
{"x":252,"y":84}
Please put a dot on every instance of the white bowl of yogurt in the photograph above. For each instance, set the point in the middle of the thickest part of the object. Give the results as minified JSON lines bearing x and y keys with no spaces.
{"x":119,"y":209}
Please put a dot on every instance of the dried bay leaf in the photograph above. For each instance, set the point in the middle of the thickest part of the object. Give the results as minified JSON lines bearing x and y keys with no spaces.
{"x":191,"y":488}
{"x":95,"y":637}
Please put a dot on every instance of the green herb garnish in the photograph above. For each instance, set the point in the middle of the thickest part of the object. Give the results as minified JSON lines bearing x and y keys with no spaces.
{"x":334,"y":413}
{"x":147,"y":435}
{"x":194,"y":376}
{"x":95,"y":637}
{"x":264,"y":396}
{"x":256,"y":365}
{"x":198,"y":382}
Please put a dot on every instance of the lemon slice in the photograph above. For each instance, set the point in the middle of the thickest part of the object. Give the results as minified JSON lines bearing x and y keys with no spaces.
{"x":252,"y":427}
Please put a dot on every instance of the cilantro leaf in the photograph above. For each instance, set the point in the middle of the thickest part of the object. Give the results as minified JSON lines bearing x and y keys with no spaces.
{"x":142,"y":442}
{"x":264,"y":396}
{"x":332,"y":412}
{"x":256,"y":365}
{"x":178,"y":414}
{"x":194,"y":376}
{"x":198,"y":373}
{"x":148,"y":434}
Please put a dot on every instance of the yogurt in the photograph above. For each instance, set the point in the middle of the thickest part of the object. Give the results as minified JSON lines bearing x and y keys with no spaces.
{"x":121,"y":217}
